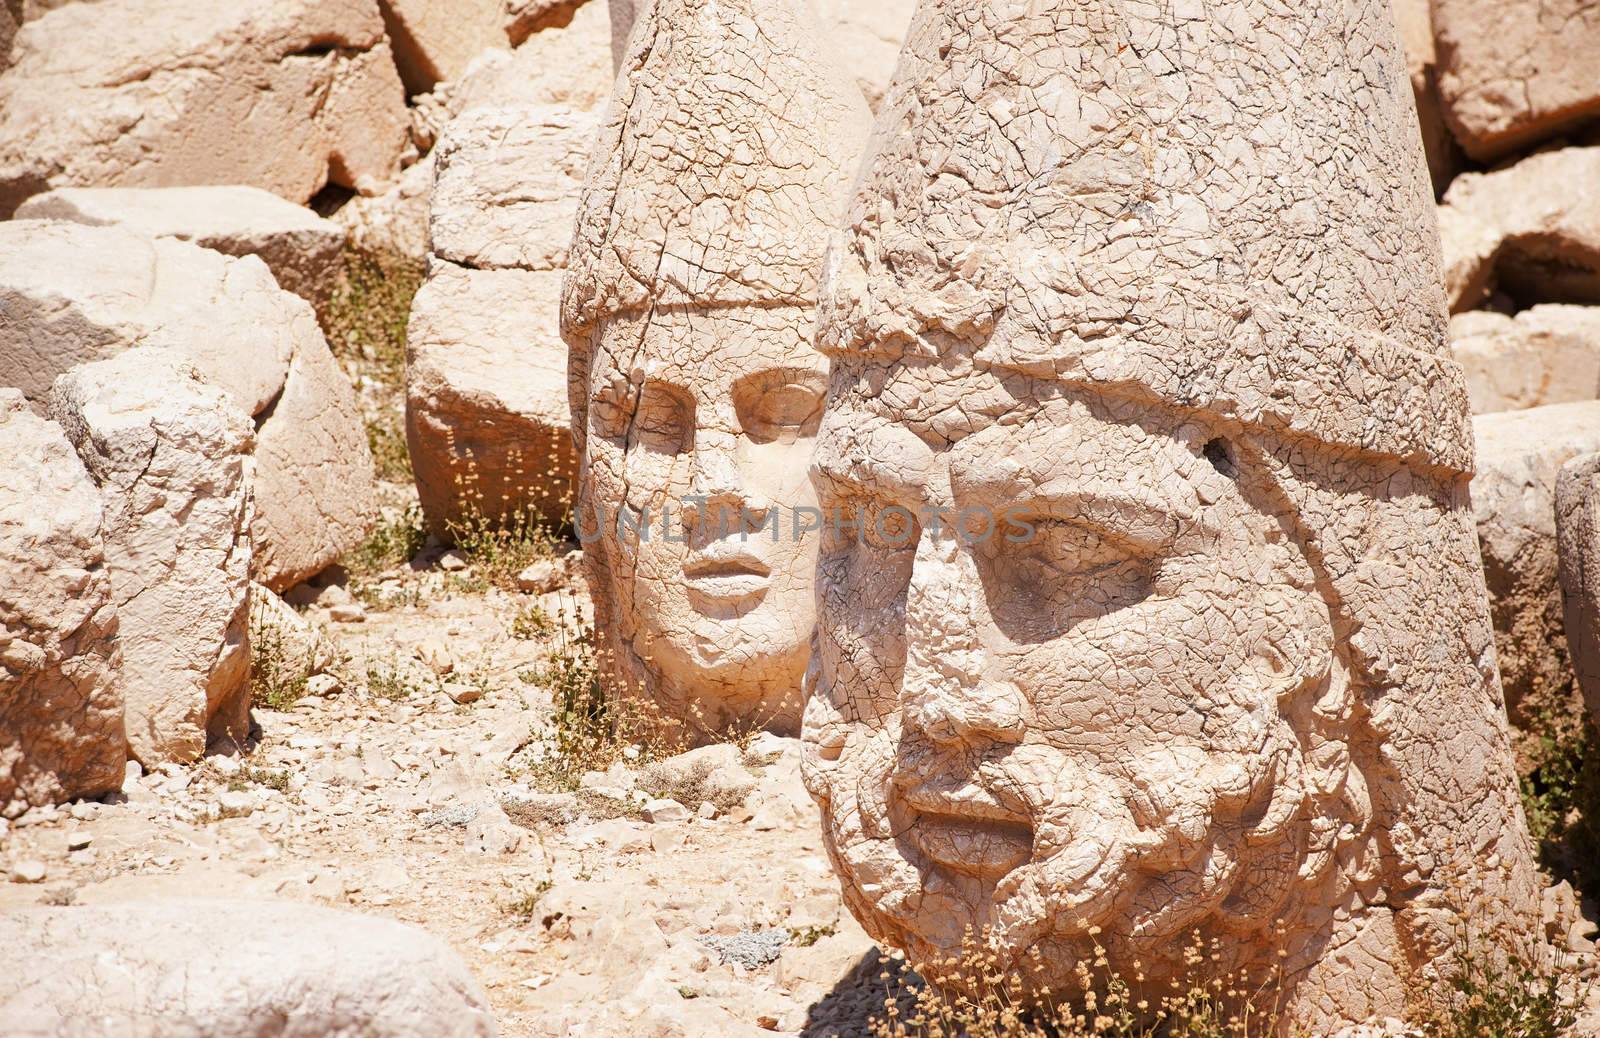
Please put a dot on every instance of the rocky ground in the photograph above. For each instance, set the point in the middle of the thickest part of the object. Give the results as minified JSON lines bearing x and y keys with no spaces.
{"x":610,"y":910}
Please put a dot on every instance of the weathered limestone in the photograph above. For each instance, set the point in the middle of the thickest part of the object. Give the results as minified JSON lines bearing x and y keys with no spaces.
{"x":567,"y":65}
{"x":1415,"y":21}
{"x":171,"y":455}
{"x":1164,"y":614}
{"x":434,"y":40}
{"x":695,"y":391}
{"x":862,"y":37}
{"x":1531,"y":231}
{"x":74,"y":294}
{"x":283,"y":96}
{"x":1578,"y":546}
{"x":60,"y":702}
{"x":1547,"y":355}
{"x":299,"y":247}
{"x":165,"y":966}
{"x":487,"y":418}
{"x":1520,"y":457}
{"x":1512,"y":72}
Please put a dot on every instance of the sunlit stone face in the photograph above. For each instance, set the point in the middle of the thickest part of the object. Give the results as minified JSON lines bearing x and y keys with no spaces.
{"x":1058,"y":709}
{"x":700,"y":425}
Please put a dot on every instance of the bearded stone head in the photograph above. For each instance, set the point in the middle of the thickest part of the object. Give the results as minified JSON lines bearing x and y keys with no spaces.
{"x":1157,"y":615}
{"x":696,"y":390}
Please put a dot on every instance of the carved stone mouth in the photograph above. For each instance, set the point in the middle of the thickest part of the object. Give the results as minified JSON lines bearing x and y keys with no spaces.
{"x":726,"y":576}
{"x":965,"y":828}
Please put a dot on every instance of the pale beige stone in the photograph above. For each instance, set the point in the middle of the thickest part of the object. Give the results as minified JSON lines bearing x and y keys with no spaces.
{"x":1520,"y":457}
{"x":171,"y":456}
{"x":506,"y":186}
{"x":165,"y":966}
{"x":487,"y":419}
{"x":316,"y":498}
{"x":396,"y":221}
{"x":695,"y":391}
{"x":75,"y":293}
{"x":299,"y":649}
{"x":523,"y":18}
{"x":1415,"y":21}
{"x":61,"y":733}
{"x":1167,"y":616}
{"x":1513,"y":72}
{"x":283,"y":96}
{"x":1530,"y":231}
{"x":300,"y":248}
{"x":1547,"y":355}
{"x":863,"y":37}
{"x":1578,"y":548}
{"x":434,"y":40}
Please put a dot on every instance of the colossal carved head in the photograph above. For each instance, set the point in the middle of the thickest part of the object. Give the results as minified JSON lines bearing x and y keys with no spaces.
{"x":695,"y":388}
{"x":1164,"y":614}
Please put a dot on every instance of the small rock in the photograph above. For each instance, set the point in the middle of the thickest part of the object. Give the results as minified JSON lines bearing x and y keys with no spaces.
{"x":28,"y":872}
{"x":707,"y":811}
{"x":227,"y":767}
{"x":664,"y":840}
{"x":235,"y":803}
{"x":461,"y":693}
{"x":435,"y":654}
{"x":131,"y":772}
{"x":541,"y":578}
{"x":767,"y":1022}
{"x":323,"y":686}
{"x":665,"y":811}
{"x":78,"y":841}
{"x":85,"y":811}
{"x":348,"y":613}
{"x":453,"y":561}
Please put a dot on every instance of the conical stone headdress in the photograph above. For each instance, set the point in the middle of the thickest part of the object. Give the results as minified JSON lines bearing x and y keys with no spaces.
{"x":1249,"y":234}
{"x":723,"y":165}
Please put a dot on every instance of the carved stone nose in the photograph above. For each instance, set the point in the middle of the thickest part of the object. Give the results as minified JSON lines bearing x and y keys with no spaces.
{"x":991,"y":712}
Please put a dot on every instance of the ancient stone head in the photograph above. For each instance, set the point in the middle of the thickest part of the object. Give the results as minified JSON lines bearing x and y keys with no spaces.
{"x":689,"y":310}
{"x":1148,"y":603}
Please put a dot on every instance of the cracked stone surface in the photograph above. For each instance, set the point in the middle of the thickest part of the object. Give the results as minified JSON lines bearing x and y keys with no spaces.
{"x":1528,"y":233}
{"x":1578,"y":543}
{"x":77,"y":293}
{"x":175,"y":93}
{"x":1520,"y":458}
{"x":1166,"y":613}
{"x":1512,"y":72}
{"x":688,"y":311}
{"x":60,"y":699}
{"x":93,"y":969}
{"x":171,"y":455}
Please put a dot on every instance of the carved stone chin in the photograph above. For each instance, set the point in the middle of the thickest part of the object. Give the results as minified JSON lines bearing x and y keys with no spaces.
{"x":696,"y":391}
{"x":1161,"y":619}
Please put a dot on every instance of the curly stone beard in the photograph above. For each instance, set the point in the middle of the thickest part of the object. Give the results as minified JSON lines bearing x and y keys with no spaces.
{"x":1132,"y":862}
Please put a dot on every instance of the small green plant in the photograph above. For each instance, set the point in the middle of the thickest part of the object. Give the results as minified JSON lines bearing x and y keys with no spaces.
{"x":391,"y":682}
{"x":591,"y":727}
{"x":1561,"y":797}
{"x":366,"y":316}
{"x":525,"y":906}
{"x":391,"y":457}
{"x":278,"y":674}
{"x":500,"y":551}
{"x":1493,"y":994}
{"x":392,"y":543}
{"x":806,"y":936}
{"x":532,"y":623}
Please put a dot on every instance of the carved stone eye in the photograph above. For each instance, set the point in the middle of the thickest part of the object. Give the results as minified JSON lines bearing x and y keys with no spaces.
{"x":779,"y":406}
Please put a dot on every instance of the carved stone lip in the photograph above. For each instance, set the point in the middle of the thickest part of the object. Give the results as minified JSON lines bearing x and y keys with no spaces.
{"x":726,"y":572}
{"x":963,"y":827}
